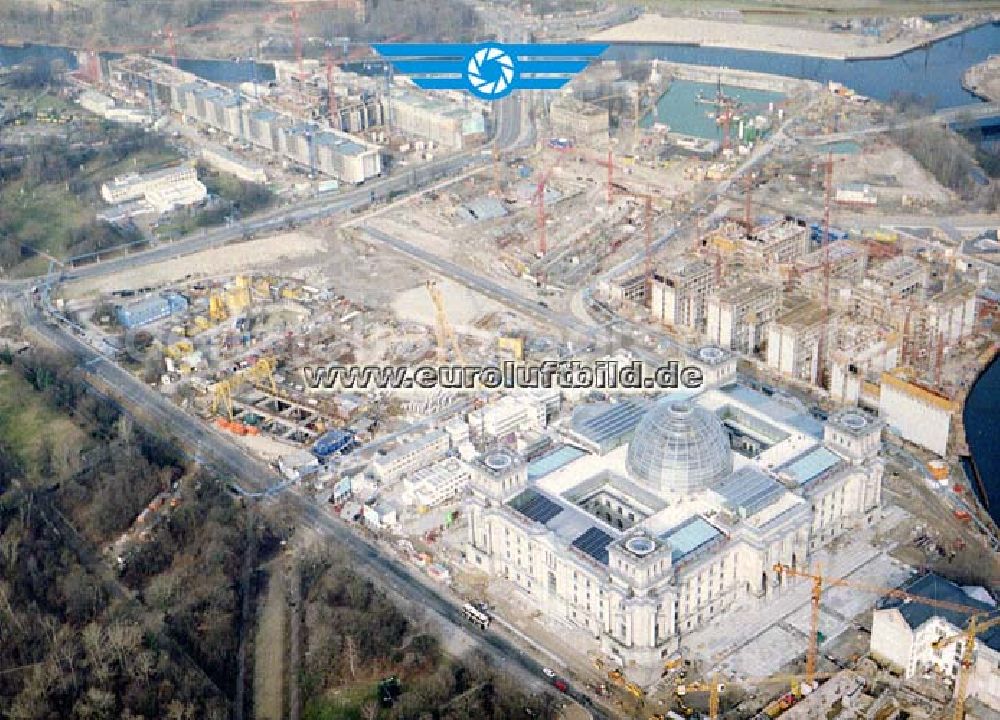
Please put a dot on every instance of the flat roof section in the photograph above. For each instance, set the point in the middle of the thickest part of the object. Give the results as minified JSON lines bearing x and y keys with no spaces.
{"x":811,"y":465}
{"x":535,"y":506}
{"x":618,"y":420}
{"x":690,"y":536}
{"x":552,"y":461}
{"x":748,"y":491}
{"x":594,"y":542}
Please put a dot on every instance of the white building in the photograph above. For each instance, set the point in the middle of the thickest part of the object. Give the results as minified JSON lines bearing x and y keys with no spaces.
{"x":918,"y":414}
{"x":663,"y":535}
{"x":458,"y":432}
{"x":851,"y":366}
{"x":738,"y":316}
{"x":410,"y":456}
{"x":380,"y":515}
{"x":904,"y":633}
{"x":793,"y":342}
{"x":437,"y":483}
{"x":228,"y":163}
{"x":164,"y":190}
{"x":507,"y":415}
{"x":297,"y":465}
{"x":856,"y":194}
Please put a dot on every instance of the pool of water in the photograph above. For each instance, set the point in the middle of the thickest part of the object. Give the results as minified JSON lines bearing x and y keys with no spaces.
{"x":688,"y":107}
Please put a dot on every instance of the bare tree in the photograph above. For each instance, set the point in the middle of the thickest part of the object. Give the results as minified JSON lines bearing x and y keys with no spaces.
{"x":369,"y":711}
{"x":351,"y":649}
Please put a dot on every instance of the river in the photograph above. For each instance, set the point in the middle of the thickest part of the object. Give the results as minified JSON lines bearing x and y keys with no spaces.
{"x":934,"y":72}
{"x":982,"y":414}
{"x":220,"y":71}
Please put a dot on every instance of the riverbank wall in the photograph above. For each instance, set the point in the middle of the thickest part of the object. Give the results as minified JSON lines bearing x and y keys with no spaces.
{"x":784,"y":39}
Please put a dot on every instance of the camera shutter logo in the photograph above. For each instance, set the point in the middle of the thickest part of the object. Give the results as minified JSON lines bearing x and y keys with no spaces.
{"x":490,"y":71}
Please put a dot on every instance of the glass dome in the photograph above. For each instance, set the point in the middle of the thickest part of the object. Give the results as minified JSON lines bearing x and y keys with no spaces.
{"x":679,"y":448}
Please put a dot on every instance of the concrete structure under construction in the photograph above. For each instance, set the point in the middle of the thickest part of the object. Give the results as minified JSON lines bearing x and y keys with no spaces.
{"x":793,"y":341}
{"x":777,"y":243}
{"x":680,"y":292}
{"x":650,"y":540}
{"x":888,"y":287}
{"x":410,"y":456}
{"x":853,"y":365}
{"x":903,"y":636}
{"x":227,"y":162}
{"x":322,"y":150}
{"x":738,"y":316}
{"x":447,"y":123}
{"x":581,"y":121}
{"x":917,"y":413}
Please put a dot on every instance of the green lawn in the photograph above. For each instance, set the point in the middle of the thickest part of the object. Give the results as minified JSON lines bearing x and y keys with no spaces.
{"x":344,"y":703}
{"x":25,"y":419}
{"x":42,"y":217}
{"x":46,"y":216}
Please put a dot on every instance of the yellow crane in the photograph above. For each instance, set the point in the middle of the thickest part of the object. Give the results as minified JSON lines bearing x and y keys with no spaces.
{"x":216,"y":307}
{"x":968,"y":650}
{"x":445,"y":334}
{"x":715,"y":688}
{"x":820,"y":581}
{"x":258,"y":373}
{"x":618,"y":678}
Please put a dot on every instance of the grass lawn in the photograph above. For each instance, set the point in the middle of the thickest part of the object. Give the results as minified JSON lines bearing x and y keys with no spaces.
{"x":343,"y":703}
{"x":25,"y":420}
{"x":45,"y":217}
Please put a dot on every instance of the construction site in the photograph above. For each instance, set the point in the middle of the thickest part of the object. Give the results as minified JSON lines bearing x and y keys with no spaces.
{"x":837,"y":345}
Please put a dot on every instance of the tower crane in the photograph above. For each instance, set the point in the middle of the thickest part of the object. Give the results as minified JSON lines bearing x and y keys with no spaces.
{"x":647,"y":201}
{"x":444,"y":332}
{"x":965,"y":667}
{"x":820,"y":581}
{"x":715,"y":687}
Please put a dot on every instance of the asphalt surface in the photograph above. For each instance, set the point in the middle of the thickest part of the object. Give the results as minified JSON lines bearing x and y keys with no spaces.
{"x":510,"y":136}
{"x":220,"y":453}
{"x":211,"y":448}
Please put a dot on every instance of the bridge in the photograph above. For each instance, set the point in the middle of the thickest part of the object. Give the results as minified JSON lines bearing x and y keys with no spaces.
{"x":964,"y":116}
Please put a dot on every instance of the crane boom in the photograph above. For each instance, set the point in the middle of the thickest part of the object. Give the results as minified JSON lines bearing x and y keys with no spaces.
{"x":819,"y":581}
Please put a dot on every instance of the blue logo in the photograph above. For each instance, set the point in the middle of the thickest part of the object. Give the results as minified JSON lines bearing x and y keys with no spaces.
{"x":492,"y":70}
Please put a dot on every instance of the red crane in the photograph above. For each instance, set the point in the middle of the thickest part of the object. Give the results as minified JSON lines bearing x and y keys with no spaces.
{"x":540,"y":200}
{"x":172,"y":46}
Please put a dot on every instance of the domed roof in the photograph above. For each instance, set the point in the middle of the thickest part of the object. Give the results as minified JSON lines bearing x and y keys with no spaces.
{"x":679,"y":447}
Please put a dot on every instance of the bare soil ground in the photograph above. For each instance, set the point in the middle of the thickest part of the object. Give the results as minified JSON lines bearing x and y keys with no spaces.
{"x":250,"y":255}
{"x":269,"y":650}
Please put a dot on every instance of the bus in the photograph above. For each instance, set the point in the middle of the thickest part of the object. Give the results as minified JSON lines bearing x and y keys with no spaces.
{"x":475,"y":616}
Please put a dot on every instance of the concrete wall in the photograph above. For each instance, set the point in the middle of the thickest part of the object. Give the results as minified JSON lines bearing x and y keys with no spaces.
{"x":891,"y":639}
{"x":918,"y":422}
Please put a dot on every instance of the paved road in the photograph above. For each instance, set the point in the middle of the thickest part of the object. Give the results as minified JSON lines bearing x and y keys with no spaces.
{"x":511,"y":135}
{"x":221,"y":453}
{"x":975,"y":111}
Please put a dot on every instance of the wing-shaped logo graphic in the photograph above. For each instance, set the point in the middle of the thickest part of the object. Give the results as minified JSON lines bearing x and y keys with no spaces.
{"x":491,"y":70}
